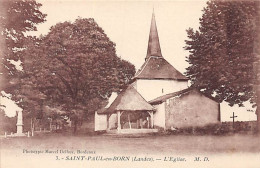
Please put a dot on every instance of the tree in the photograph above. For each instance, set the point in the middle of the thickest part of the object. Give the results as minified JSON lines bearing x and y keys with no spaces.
{"x":221,"y":52}
{"x":75,"y":66}
{"x":16,"y":18}
{"x":7,"y":124}
{"x":257,"y":65}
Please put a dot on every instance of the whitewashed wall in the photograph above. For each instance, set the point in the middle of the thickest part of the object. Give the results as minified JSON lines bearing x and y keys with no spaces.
{"x":159,"y":115}
{"x":151,"y":89}
{"x":100,"y":122}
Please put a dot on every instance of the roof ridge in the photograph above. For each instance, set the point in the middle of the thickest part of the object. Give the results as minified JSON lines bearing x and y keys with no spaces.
{"x":142,"y":68}
{"x":164,"y":70}
{"x":129,"y":99}
{"x":175,"y":68}
{"x":142,"y":96}
{"x":162,"y":98}
{"x":173,"y":94}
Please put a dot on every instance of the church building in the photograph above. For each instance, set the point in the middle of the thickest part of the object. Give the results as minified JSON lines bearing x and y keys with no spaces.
{"x":157,"y":98}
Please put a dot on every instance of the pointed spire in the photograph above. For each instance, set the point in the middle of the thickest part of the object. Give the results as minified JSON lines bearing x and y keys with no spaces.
{"x":154,"y":48}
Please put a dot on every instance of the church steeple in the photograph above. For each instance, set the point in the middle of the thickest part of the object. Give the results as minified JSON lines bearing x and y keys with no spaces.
{"x":155,"y":66}
{"x":154,"y":48}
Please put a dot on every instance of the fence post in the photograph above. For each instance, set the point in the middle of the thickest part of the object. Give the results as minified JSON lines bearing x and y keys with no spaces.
{"x":5,"y":135}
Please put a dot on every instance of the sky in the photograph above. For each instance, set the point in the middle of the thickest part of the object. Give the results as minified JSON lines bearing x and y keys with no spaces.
{"x":127,"y":24}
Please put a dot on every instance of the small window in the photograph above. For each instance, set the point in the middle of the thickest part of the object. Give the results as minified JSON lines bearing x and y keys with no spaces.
{"x":162,"y":90}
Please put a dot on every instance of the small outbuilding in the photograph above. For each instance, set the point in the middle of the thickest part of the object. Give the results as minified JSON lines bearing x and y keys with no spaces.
{"x":186,"y":108}
{"x":128,"y":113}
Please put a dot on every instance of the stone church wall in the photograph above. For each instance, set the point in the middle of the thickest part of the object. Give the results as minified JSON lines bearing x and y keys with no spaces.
{"x":191,"y":110}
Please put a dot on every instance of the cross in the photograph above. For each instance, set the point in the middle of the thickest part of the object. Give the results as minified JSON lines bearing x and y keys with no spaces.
{"x":233,"y":117}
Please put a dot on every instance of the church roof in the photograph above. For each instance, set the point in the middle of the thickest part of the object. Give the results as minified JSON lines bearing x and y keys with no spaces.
{"x":163,"y":98}
{"x":155,"y":66}
{"x":129,"y":100}
{"x":158,"y":68}
{"x":154,"y":48}
{"x":110,"y":101}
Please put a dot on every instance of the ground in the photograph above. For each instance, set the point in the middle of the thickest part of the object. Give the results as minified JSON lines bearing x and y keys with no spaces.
{"x":149,"y":144}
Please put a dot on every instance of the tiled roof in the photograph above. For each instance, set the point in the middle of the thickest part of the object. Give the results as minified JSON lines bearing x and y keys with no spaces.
{"x":129,"y":100}
{"x":158,"y":68}
{"x":163,"y":98}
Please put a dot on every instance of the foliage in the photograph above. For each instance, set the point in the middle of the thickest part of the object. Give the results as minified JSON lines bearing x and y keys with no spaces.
{"x":75,"y":67}
{"x":224,"y":128}
{"x":221,"y":52}
{"x":7,"y":124}
{"x":16,"y":18}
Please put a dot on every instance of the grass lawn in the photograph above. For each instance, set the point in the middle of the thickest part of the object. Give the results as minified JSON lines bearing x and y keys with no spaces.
{"x":238,"y":150}
{"x":149,"y":144}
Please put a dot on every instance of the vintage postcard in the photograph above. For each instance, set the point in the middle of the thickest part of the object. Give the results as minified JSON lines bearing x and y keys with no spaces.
{"x":119,"y":84}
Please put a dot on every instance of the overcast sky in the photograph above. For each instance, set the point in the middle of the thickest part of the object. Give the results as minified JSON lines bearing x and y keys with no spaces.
{"x":128,"y":23}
